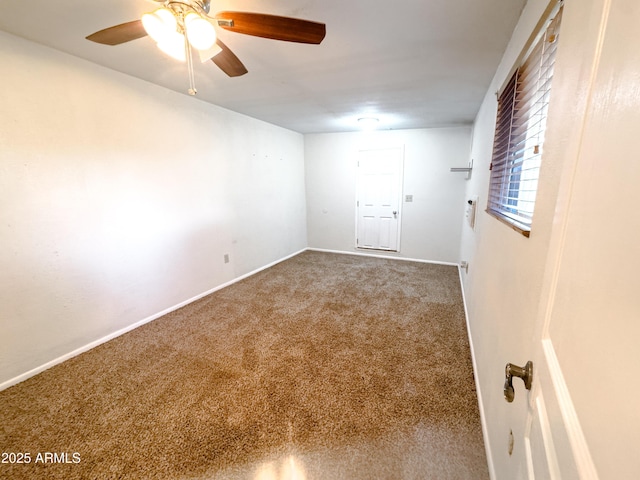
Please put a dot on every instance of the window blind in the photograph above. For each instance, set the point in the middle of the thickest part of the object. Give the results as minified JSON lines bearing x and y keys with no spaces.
{"x":519,"y":135}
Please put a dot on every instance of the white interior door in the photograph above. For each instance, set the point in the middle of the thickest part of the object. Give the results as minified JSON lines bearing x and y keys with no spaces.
{"x":584,"y":408}
{"x":378,"y":199}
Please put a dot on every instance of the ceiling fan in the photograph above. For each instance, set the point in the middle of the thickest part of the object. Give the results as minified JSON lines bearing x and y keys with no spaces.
{"x":180,"y":25}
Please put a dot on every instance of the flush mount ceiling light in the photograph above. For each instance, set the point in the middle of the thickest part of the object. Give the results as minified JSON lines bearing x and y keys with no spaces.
{"x":180,"y":26}
{"x":368,"y":123}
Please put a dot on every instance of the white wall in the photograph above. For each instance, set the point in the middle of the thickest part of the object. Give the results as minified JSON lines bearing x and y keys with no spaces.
{"x":430,"y":225}
{"x":506,"y":270}
{"x":119,"y":199}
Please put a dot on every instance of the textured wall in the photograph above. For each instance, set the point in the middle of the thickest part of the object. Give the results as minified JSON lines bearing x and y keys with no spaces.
{"x":119,"y":199}
{"x":430,"y":225}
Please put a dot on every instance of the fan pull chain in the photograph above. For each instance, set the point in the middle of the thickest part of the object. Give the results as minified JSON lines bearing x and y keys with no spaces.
{"x":187,"y":53}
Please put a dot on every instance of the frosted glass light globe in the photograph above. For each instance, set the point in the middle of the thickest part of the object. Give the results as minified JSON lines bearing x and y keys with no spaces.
{"x":200,"y":32}
{"x":159,"y":24}
{"x":173,"y":45}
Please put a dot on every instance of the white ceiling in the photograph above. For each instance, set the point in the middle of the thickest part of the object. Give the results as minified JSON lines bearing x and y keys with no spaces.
{"x":411,"y":63}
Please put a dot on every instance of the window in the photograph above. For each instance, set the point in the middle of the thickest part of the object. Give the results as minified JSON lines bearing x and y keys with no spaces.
{"x":520,"y":126}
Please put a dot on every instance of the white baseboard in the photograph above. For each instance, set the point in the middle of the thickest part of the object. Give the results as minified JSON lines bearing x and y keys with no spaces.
{"x":483,"y":418}
{"x":24,"y":376}
{"x":378,"y":255}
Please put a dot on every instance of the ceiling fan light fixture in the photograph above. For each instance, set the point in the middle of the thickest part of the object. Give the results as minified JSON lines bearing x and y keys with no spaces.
{"x":160,"y":24}
{"x":169,"y":22}
{"x":173,"y":45}
{"x":200,"y":32}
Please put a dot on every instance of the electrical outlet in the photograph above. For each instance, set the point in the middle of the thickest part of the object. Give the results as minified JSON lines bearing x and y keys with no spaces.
{"x":408,"y":198}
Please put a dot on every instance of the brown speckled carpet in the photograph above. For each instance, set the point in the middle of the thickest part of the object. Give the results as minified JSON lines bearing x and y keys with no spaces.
{"x":324,"y":366}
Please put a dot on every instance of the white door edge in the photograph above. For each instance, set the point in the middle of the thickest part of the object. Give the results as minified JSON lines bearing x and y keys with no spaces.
{"x":584,"y":461}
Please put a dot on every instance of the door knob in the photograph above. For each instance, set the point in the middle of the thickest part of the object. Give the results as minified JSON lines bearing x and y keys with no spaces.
{"x":510,"y":371}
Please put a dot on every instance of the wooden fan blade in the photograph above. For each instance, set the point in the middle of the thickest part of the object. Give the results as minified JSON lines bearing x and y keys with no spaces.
{"x":125,"y":32}
{"x":272,"y":26}
{"x":228,"y":62}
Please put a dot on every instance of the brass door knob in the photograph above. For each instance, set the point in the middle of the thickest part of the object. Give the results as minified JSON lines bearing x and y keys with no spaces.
{"x":510,"y":371}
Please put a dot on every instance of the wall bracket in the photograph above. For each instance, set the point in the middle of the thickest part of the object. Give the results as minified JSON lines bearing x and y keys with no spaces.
{"x":466,"y":170}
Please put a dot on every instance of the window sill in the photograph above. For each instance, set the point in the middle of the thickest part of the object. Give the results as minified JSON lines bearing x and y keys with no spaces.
{"x":522,"y":230}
